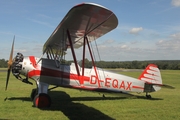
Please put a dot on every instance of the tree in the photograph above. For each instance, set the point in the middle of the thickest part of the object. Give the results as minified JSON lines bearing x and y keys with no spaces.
{"x":3,"y":63}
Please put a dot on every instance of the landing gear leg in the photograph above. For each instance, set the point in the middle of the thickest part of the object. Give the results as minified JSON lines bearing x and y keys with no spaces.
{"x":40,"y":97}
{"x":42,"y":101}
{"x":104,"y":96}
{"x":148,"y":96}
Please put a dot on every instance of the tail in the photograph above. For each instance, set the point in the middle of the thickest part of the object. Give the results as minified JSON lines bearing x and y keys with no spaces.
{"x":151,"y":75}
{"x":152,"y":78}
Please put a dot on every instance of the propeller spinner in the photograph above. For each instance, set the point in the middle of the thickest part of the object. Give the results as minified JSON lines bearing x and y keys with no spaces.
{"x":10,"y":62}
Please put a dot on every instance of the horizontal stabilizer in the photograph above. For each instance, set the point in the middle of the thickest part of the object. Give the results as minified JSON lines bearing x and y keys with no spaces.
{"x":162,"y":85}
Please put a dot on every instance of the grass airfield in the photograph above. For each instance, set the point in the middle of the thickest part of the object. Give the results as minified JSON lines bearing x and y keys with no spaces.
{"x":70,"y":104}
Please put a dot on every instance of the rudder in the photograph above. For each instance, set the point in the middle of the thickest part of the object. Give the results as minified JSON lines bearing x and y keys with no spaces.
{"x":151,"y":76}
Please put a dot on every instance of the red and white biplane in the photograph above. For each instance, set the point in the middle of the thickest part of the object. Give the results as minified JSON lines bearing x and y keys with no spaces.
{"x":83,"y":24}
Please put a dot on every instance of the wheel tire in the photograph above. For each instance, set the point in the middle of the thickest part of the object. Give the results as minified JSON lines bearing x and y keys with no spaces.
{"x":33,"y":94}
{"x":42,"y":101}
{"x":148,"y":96}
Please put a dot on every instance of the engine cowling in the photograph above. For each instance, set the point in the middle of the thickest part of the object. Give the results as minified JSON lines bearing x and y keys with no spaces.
{"x":16,"y":66}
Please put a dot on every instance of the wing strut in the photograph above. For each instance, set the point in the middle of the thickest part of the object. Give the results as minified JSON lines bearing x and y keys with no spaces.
{"x":73,"y":53}
{"x":84,"y":48}
{"x":83,"y":60}
{"x":95,"y":69}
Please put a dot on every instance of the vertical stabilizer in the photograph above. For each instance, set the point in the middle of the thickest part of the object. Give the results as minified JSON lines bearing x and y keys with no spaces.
{"x":152,"y":75}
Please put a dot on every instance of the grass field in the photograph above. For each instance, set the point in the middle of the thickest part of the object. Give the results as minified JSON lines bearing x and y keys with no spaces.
{"x":69,"y":104}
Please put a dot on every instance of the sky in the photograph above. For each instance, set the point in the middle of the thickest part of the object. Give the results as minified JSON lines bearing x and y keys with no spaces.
{"x":147,"y":29}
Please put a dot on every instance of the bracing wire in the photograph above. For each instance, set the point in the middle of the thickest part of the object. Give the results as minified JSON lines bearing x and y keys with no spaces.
{"x":98,"y":55}
{"x":98,"y":51}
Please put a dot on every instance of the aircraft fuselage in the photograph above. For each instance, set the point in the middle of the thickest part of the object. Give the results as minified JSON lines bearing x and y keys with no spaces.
{"x":47,"y":72}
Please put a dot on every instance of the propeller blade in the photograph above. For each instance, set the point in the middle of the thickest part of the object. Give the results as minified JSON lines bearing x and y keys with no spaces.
{"x":7,"y":80}
{"x":11,"y":54}
{"x":10,"y":63}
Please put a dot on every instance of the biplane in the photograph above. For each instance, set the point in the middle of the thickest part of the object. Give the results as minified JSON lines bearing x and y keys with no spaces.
{"x":83,"y":24}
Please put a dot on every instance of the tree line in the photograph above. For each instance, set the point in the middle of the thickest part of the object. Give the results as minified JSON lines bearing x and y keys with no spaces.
{"x":3,"y":63}
{"x":162,"y":64}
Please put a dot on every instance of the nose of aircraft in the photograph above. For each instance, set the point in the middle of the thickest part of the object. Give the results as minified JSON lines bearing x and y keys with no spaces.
{"x":14,"y":64}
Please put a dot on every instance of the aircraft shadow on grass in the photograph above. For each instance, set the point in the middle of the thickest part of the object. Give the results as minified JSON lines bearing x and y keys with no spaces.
{"x":61,"y":101}
{"x":18,"y":98}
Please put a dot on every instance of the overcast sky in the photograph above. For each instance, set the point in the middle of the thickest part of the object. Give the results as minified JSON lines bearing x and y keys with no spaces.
{"x":147,"y":29}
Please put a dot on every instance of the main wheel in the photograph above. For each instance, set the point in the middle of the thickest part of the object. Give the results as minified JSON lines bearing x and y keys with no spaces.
{"x":42,"y":101}
{"x":33,"y":94}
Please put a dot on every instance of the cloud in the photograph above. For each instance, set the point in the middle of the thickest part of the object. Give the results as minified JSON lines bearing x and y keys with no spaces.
{"x":163,"y":49}
{"x":175,"y":3}
{"x":135,"y":30}
{"x":41,"y":23}
{"x":37,"y":48}
{"x":107,"y":42}
{"x":20,"y":50}
{"x":44,"y":16}
{"x":176,"y":36}
{"x":172,"y":44}
{"x":6,"y":33}
{"x":124,"y":47}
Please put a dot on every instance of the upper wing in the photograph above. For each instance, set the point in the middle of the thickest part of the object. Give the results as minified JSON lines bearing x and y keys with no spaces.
{"x":87,"y":19}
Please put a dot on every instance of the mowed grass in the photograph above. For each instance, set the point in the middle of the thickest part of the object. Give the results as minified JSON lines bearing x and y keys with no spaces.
{"x":70,"y":104}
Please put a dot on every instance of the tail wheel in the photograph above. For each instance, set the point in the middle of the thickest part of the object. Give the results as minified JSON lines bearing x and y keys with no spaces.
{"x":42,"y":101}
{"x":148,"y":96}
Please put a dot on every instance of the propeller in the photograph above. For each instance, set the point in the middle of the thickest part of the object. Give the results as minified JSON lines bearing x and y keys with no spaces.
{"x":10,"y":62}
